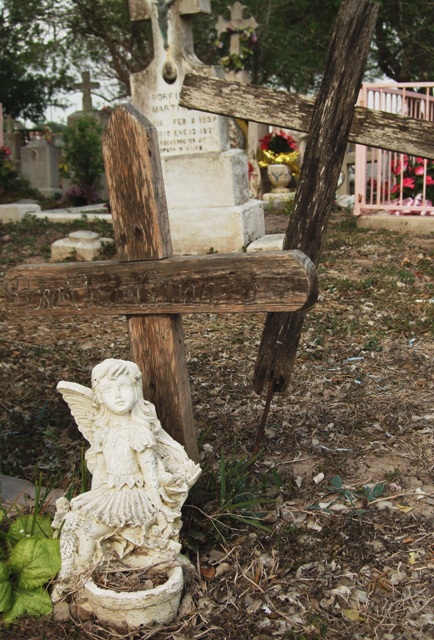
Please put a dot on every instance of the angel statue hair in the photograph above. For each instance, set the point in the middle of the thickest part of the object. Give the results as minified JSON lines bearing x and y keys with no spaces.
{"x":140,"y":477}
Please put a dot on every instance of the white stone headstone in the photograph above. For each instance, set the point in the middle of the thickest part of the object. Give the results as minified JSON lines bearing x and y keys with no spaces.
{"x":206,"y":182}
{"x":40,"y":165}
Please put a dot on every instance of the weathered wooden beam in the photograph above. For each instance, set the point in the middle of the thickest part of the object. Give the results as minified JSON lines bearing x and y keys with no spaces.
{"x":290,"y":111}
{"x":136,"y":187}
{"x":233,"y":283}
{"x":322,"y":162}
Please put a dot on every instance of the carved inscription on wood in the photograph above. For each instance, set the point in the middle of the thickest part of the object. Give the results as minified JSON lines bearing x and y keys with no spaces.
{"x":199,"y":284}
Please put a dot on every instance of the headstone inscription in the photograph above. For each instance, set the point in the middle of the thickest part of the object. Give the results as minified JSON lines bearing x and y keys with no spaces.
{"x":150,"y":286}
{"x":206,"y":182}
{"x":40,"y":165}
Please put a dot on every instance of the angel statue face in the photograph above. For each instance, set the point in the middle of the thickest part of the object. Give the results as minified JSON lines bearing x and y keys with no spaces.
{"x":117,"y":385}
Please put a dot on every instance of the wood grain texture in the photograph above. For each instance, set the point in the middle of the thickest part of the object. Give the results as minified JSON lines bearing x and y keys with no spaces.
{"x":279,"y":108}
{"x":323,"y":159}
{"x":233,"y":283}
{"x":136,"y":187}
{"x":141,"y":225}
{"x":157,"y":343}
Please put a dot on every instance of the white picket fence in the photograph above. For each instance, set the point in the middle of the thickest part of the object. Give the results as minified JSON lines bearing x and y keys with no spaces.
{"x":389,"y":181}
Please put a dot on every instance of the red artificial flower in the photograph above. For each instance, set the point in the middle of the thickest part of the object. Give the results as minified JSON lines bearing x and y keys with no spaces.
{"x":419,"y":170}
{"x":266,"y":141}
{"x":408,"y":183}
{"x":397,"y":169}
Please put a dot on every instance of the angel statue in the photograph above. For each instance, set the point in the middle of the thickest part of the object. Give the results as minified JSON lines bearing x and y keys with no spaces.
{"x":140,"y":477}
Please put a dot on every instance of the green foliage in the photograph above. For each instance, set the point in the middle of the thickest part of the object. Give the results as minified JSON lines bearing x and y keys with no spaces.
{"x":31,"y":558}
{"x":102,"y":31}
{"x":292,"y":41}
{"x":229,"y":497}
{"x":290,"y":52}
{"x":350,"y":496}
{"x":32,"y":58}
{"x":83,"y":153}
{"x":404,"y":38}
{"x":12,"y":184}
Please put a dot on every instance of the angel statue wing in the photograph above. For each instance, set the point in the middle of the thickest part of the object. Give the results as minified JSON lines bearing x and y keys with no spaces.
{"x":81,"y":401}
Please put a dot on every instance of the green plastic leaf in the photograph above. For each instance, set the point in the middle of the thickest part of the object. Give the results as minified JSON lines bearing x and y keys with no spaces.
{"x":35,"y":561}
{"x":6,"y":598}
{"x":337,"y":482}
{"x":4,"y":572}
{"x":30,"y":603}
{"x":378,"y":490}
{"x":30,"y":525}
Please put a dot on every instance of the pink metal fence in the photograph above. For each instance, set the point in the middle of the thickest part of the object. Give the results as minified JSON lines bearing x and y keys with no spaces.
{"x":389,"y":181}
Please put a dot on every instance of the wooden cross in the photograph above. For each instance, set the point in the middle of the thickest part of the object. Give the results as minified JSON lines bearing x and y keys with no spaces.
{"x":330,"y":123}
{"x":85,"y":86}
{"x":236,"y":23}
{"x":148,"y":285}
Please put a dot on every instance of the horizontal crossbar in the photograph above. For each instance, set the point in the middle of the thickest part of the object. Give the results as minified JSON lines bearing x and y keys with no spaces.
{"x":290,"y":111}
{"x":232,"y":283}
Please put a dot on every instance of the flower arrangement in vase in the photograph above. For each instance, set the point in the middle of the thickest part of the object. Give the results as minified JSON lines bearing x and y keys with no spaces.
{"x":279,"y":153}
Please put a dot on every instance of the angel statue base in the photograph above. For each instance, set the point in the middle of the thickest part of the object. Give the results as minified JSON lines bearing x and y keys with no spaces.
{"x":131,"y":517}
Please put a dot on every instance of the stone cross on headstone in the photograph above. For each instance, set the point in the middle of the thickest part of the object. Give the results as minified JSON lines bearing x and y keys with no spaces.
{"x":172,"y":29}
{"x":235,"y":24}
{"x":85,"y":86}
{"x":213,"y":207}
{"x":148,"y":285}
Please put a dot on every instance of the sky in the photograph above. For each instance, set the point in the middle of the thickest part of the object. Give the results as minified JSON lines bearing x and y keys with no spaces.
{"x":74,"y":99}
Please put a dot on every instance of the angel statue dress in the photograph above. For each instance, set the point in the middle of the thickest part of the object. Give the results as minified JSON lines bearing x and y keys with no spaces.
{"x":140,"y":477}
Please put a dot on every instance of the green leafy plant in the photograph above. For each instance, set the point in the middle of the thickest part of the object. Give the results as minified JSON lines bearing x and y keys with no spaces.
{"x":83,"y":153}
{"x":236,"y":61}
{"x":12,"y":184}
{"x":229,"y":496}
{"x":29,"y":559}
{"x":366,"y":494}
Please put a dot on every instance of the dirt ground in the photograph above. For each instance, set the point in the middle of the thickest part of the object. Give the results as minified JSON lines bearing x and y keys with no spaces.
{"x":329,"y":533}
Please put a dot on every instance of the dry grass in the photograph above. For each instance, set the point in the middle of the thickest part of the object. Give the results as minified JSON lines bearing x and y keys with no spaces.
{"x":332,"y":564}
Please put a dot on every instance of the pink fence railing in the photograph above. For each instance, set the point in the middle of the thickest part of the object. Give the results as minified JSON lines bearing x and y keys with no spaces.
{"x":389,"y":181}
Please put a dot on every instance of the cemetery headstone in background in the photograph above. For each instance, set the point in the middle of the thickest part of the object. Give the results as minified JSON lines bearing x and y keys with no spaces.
{"x":85,"y":86}
{"x":206,"y":182}
{"x":255,"y":130}
{"x":101,"y":115}
{"x":40,"y":165}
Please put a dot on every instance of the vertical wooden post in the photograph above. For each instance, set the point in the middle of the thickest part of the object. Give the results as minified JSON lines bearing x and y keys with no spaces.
{"x":323,"y":158}
{"x":141,"y":225}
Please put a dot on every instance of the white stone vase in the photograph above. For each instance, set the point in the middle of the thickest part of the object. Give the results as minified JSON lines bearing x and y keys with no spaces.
{"x":280,"y":176}
{"x":127,"y":610}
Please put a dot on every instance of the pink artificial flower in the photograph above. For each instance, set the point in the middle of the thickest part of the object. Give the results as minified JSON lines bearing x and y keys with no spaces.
{"x":419,"y":170}
{"x":429,"y":181}
{"x":408,"y":183}
{"x":397,"y":169}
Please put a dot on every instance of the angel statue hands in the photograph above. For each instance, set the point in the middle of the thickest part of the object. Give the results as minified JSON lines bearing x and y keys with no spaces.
{"x":140,"y":476}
